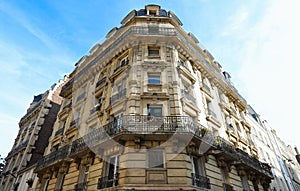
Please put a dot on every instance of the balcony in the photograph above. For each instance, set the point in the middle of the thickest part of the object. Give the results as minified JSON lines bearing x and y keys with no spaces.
{"x":227,"y":187}
{"x":120,"y":65}
{"x":188,"y":96}
{"x":107,"y":182}
{"x":226,"y":147}
{"x":67,"y":88}
{"x":81,"y":186}
{"x":200,"y":181}
{"x":18,"y":148}
{"x":101,"y":82}
{"x":118,"y":96}
{"x":141,"y":125}
{"x":53,"y":157}
{"x":252,"y":163}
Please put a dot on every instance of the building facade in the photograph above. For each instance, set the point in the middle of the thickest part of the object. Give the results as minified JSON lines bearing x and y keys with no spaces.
{"x":35,"y":128}
{"x":149,"y":109}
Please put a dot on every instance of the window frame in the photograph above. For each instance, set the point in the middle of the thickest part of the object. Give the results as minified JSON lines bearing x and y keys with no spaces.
{"x":153,"y":51}
{"x":154,"y":79}
{"x":155,"y":165}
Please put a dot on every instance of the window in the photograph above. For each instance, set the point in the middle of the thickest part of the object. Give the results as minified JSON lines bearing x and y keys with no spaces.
{"x":153,"y":51}
{"x":155,"y":159}
{"x":111,"y":173}
{"x":83,"y":174}
{"x":44,"y":185}
{"x":154,"y":110}
{"x":153,"y":79}
{"x":197,"y":165}
{"x":122,"y":62}
{"x":245,"y":182}
{"x":60,"y":181}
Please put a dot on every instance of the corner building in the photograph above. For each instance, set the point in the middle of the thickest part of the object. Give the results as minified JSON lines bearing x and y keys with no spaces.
{"x":149,"y":109}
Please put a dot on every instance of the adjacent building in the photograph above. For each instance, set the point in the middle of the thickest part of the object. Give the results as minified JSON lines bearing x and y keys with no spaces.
{"x":35,"y":128}
{"x":149,"y":109}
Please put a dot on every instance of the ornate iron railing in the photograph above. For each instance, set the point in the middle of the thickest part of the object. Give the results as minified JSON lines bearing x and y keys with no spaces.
{"x":100,"y":82}
{"x":106,"y":182}
{"x":139,"y":124}
{"x":200,"y":181}
{"x":18,"y":148}
{"x":254,"y":163}
{"x":226,"y":146}
{"x":59,"y":154}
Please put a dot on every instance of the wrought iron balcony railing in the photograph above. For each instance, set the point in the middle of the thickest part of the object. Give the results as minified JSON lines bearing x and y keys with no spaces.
{"x":54,"y":156}
{"x":117,"y":96}
{"x":246,"y":159}
{"x":139,"y":124}
{"x":81,"y":186}
{"x":226,"y":146}
{"x":107,"y":182}
{"x":200,"y":181}
{"x":101,"y":81}
{"x":227,"y":187}
{"x":18,"y":148}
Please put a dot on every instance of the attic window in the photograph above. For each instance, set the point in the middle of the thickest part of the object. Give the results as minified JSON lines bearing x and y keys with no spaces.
{"x":152,"y":12}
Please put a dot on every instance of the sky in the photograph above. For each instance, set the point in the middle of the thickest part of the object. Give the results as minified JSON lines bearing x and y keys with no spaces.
{"x":255,"y":41}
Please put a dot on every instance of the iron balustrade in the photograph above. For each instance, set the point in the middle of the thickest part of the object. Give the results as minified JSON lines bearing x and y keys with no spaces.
{"x":31,"y":110}
{"x":100,"y":82}
{"x":200,"y":181}
{"x":81,"y":186}
{"x":123,"y":63}
{"x":18,"y":148}
{"x":139,"y":124}
{"x":67,"y":85}
{"x":54,"y":156}
{"x":117,"y":96}
{"x":107,"y":182}
{"x":226,"y":146}
{"x":95,"y":136}
{"x":227,"y":187}
{"x":254,"y":163}
{"x":188,"y":96}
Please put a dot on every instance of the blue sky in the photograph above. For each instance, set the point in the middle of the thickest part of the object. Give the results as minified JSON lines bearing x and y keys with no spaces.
{"x":255,"y":41}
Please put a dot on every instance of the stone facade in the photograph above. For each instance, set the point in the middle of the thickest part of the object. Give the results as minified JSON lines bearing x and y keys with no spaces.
{"x":149,"y":109}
